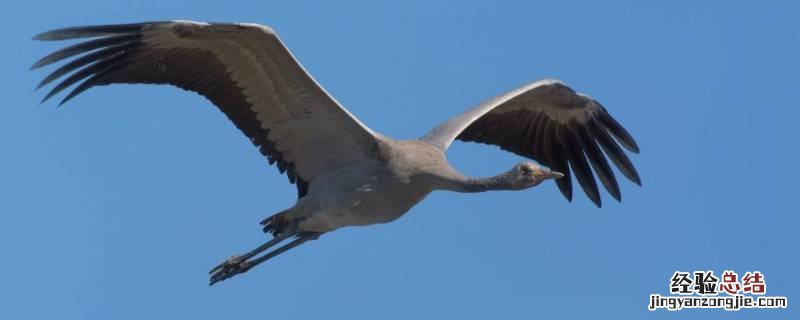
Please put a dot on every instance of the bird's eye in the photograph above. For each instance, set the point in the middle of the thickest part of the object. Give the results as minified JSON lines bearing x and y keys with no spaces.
{"x":525,"y":170}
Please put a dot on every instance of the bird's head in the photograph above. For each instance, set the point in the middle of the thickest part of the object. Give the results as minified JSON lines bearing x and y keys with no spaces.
{"x":529,"y":174}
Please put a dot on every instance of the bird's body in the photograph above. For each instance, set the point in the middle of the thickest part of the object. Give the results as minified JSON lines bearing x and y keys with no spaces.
{"x":371,"y":192}
{"x":346,"y":174}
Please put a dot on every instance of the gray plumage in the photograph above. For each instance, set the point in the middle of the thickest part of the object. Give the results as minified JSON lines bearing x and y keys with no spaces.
{"x":346,"y":174}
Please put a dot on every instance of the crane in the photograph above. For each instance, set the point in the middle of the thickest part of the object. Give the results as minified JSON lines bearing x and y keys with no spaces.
{"x":346,"y":174}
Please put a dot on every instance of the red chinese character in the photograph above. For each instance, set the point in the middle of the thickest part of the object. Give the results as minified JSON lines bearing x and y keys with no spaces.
{"x":730,"y":282}
{"x":754,"y":283}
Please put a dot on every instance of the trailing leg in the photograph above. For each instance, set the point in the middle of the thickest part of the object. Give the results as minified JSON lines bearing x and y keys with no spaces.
{"x":242,"y":264}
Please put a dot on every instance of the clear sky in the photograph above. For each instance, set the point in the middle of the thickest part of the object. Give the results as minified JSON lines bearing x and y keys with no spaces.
{"x":116,"y":205}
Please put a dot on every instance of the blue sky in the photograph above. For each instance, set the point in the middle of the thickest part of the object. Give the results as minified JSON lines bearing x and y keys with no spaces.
{"x":116,"y":205}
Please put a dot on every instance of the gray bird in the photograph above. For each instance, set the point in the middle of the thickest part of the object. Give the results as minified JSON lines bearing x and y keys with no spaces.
{"x":346,"y":174}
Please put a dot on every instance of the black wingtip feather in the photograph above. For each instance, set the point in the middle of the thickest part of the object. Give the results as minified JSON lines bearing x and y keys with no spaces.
{"x":583,"y":174}
{"x":598,"y":162}
{"x":564,"y":185}
{"x":78,"y":90}
{"x":554,"y":158}
{"x":85,"y":60}
{"x":91,"y":69}
{"x":84,"y":47}
{"x":577,"y":161}
{"x":88,"y":31}
{"x":613,"y":151}
{"x":619,"y":132}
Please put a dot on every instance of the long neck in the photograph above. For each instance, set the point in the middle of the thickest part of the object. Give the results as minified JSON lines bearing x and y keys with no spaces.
{"x":459,"y":183}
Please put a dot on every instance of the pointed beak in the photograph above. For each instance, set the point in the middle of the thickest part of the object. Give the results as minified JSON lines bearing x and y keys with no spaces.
{"x":555,"y":175}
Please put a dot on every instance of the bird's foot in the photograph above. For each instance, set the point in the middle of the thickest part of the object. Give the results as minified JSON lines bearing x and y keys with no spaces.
{"x":240,"y":264}
{"x":229,"y":268}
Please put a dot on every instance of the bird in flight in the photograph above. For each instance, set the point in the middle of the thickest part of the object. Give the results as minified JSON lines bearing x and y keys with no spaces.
{"x":346,"y":174}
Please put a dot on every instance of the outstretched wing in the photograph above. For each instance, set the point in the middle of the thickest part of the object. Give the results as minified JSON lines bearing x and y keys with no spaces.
{"x":244,"y":69}
{"x":554,"y":125}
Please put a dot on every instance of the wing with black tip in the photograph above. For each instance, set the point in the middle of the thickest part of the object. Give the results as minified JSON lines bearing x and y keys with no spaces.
{"x":554,"y":125}
{"x":244,"y":69}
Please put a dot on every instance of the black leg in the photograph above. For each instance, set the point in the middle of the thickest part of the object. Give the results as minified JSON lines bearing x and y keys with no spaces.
{"x":230,"y":268}
{"x":237,"y":259}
